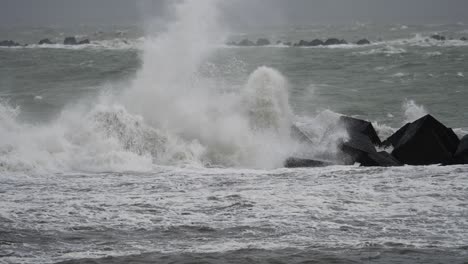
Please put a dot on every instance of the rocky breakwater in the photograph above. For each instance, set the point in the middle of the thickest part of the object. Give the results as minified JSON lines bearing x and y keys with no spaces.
{"x":301,"y":43}
{"x":425,"y":141}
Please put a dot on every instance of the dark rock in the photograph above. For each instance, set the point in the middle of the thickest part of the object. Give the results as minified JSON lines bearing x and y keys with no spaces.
{"x":45,"y":41}
{"x":355,"y":148}
{"x":360,"y":146}
{"x":279,"y":42}
{"x":425,"y":141}
{"x":438,"y":37}
{"x":302,"y":43}
{"x":359,"y":149}
{"x":382,"y":159}
{"x":363,"y":42}
{"x":461,"y":155}
{"x":316,"y":42}
{"x":354,"y":126}
{"x":463,"y":39}
{"x":313,"y":43}
{"x":288,"y":44}
{"x":396,"y":137}
{"x":246,"y":42}
{"x":70,"y":41}
{"x":334,"y":41}
{"x":305,"y":163}
{"x":263,"y":42}
{"x":9,"y":43}
{"x":85,"y":41}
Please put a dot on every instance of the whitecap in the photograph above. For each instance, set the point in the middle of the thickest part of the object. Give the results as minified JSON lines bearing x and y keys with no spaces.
{"x":413,"y":111}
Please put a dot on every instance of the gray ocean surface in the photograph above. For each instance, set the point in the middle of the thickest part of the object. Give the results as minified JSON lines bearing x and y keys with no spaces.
{"x":86,"y":181}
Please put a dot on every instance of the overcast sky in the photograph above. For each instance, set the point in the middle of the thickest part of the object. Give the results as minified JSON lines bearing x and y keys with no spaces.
{"x":237,"y":12}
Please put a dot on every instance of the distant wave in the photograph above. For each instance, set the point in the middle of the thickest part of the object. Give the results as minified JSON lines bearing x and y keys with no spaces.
{"x":425,"y":41}
{"x":387,"y":50}
{"x":389,"y":46}
{"x":383,"y":47}
{"x":339,"y":46}
{"x":110,"y":44}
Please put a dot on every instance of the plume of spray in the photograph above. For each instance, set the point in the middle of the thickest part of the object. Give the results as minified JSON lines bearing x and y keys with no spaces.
{"x":243,"y":128}
{"x":413,"y":111}
{"x":170,"y":115}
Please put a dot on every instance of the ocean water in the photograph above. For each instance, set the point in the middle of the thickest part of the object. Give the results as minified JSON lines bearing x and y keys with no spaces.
{"x":166,"y":146}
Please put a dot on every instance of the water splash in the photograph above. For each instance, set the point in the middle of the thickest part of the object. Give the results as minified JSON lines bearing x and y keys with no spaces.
{"x":172,"y":114}
{"x":413,"y":111}
{"x":172,"y":93}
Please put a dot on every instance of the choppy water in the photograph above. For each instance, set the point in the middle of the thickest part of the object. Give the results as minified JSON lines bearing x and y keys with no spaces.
{"x":166,"y":148}
{"x":331,"y":215}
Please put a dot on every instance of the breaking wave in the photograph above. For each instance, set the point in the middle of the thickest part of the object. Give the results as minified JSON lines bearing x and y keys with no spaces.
{"x":386,"y":50}
{"x":171,"y":115}
{"x":175,"y":114}
{"x":419,"y":40}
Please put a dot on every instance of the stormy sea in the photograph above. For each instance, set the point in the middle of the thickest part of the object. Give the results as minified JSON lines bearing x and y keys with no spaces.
{"x":166,"y":145}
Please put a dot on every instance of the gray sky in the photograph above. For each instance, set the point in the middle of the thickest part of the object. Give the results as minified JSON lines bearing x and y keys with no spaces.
{"x":236,"y":12}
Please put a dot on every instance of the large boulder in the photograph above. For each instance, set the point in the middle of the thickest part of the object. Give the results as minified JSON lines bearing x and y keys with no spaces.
{"x":316,"y":42}
{"x":45,"y":41}
{"x":382,"y":159}
{"x":438,"y":37}
{"x":70,"y":41}
{"x":425,"y":141}
{"x":463,"y":39}
{"x":355,"y":146}
{"x":357,"y":126}
{"x":363,"y":42}
{"x":263,"y":42}
{"x":358,"y":148}
{"x":334,"y":41}
{"x":302,"y":43}
{"x":305,"y":163}
{"x":84,"y":41}
{"x":395,"y":137}
{"x":246,"y":42}
{"x":9,"y":43}
{"x":461,"y":155}
{"x":313,"y":43}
